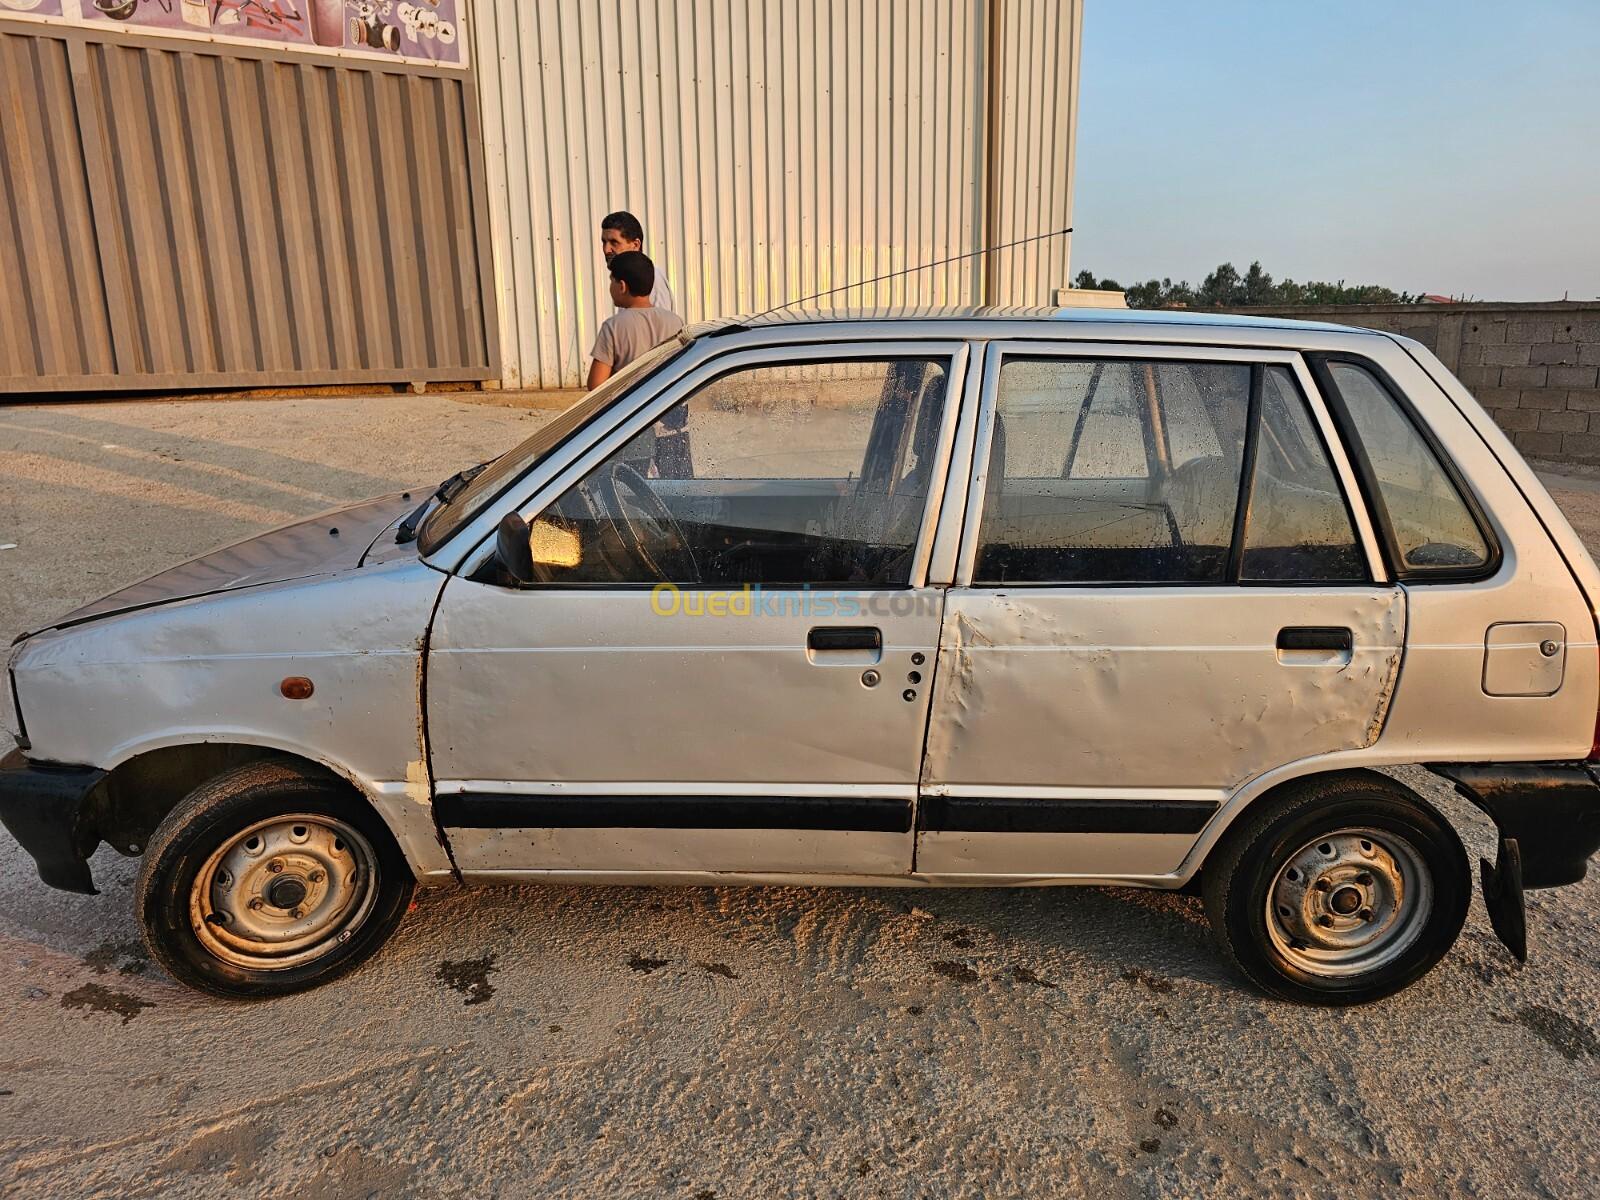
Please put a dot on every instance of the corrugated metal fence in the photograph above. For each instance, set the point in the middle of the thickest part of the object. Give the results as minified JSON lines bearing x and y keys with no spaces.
{"x":184,"y":215}
{"x":773,"y":149}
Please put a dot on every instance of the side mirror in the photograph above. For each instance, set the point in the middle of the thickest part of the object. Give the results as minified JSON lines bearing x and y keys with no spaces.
{"x":514,"y":547}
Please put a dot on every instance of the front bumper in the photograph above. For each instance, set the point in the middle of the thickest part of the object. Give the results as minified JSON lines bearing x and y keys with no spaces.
{"x":1548,"y":815}
{"x":46,"y":807}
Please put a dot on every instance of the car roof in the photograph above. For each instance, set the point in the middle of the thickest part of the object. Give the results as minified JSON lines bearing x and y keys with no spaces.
{"x":1079,"y":318}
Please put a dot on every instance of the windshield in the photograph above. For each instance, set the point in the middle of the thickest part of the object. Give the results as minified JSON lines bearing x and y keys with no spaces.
{"x":502,"y":472}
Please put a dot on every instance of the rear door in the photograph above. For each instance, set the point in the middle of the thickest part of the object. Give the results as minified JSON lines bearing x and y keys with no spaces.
{"x":1162,"y":592}
{"x":721,"y":670}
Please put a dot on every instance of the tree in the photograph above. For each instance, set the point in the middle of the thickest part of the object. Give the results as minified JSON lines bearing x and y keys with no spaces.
{"x":1226,"y":288}
{"x":1087,"y":281}
{"x":1160,"y":293}
{"x":1221,"y":289}
{"x":1257,"y":286}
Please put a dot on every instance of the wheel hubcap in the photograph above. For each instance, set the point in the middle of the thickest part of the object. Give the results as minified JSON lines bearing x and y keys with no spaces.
{"x":1349,"y":902}
{"x":283,"y":892}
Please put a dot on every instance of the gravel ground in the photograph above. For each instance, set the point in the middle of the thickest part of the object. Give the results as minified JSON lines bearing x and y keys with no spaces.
{"x":714,"y":1043}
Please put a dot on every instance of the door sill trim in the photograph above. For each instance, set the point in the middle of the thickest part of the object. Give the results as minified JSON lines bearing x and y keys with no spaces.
{"x":496,"y":878}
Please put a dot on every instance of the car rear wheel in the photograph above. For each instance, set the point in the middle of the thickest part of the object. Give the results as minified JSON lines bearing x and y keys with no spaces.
{"x":272,"y":878}
{"x":1340,"y":891}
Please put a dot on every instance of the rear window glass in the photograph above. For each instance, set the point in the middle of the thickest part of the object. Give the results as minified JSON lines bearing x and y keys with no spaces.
{"x":1434,"y":530}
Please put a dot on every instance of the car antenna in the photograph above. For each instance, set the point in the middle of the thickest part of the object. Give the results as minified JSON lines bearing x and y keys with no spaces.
{"x":1038,"y":237}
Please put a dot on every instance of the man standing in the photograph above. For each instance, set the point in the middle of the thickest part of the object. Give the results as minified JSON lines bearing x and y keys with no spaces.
{"x":637,"y":326}
{"x":620,"y":232}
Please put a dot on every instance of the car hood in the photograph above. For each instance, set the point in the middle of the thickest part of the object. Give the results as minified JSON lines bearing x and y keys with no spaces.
{"x":336,"y":540}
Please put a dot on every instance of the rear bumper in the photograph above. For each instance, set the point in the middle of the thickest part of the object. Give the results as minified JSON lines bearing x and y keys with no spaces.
{"x":46,"y":808}
{"x":1550,"y":810}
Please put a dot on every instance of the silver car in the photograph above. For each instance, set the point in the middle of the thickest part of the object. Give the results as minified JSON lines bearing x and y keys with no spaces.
{"x":968,"y":598}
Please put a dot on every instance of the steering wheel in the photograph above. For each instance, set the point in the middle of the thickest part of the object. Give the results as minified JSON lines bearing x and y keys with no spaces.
{"x":644,"y":525}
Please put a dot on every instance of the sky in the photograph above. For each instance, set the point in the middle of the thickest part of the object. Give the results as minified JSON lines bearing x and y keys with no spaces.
{"x":1426,"y":146}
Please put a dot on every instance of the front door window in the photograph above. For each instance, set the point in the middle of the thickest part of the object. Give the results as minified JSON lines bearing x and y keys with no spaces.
{"x":812,"y":474}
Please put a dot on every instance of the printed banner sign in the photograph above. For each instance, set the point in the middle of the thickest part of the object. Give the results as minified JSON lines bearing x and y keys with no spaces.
{"x":430,"y":30}
{"x":268,"y":20}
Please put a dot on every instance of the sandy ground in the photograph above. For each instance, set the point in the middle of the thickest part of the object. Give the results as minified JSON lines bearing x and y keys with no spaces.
{"x":714,"y":1043}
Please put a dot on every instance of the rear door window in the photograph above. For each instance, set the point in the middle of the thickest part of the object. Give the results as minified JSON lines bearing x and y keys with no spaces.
{"x":1113,"y":471}
{"x":1433,"y":527}
{"x":1160,"y":471}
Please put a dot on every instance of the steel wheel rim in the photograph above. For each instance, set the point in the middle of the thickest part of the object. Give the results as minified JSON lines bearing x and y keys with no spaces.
{"x":1349,"y":902}
{"x":284,"y":891}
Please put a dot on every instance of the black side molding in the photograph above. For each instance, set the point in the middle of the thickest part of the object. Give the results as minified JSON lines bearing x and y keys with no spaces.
{"x":991,"y":814}
{"x":483,"y":810}
{"x":45,"y":806}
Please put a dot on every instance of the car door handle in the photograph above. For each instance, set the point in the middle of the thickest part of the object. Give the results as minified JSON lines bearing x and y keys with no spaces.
{"x":1315,"y":637}
{"x":844,"y":637}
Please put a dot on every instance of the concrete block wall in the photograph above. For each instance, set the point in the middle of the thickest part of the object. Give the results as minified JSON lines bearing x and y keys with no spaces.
{"x":1535,"y":367}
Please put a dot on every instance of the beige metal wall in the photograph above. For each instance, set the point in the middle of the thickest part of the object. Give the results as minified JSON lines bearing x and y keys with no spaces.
{"x":773,"y":149}
{"x":180,"y":215}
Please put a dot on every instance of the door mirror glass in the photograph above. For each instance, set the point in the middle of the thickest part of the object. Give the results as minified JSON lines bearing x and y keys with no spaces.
{"x":555,"y":547}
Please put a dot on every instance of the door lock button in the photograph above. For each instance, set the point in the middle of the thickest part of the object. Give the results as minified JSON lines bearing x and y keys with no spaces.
{"x":870,"y":678}
{"x":1549,"y":648}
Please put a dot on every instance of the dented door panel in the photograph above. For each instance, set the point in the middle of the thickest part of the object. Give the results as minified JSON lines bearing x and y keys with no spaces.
{"x":1144,"y":695}
{"x":1161,"y":687}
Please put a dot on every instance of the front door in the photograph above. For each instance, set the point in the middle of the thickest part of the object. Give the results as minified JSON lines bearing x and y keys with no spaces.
{"x":721,"y":670}
{"x":1163,"y":594}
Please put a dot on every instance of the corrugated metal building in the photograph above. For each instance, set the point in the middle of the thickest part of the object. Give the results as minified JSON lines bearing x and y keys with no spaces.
{"x":773,"y":149}
{"x":206,"y":193}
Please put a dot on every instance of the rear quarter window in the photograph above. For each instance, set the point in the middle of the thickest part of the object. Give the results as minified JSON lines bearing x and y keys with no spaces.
{"x":1431,"y":524}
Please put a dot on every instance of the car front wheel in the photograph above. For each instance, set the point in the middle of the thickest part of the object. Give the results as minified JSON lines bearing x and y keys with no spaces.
{"x":272,"y":878}
{"x":1340,"y":891}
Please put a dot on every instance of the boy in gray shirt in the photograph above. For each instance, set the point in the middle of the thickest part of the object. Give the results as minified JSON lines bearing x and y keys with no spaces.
{"x":621,"y":232}
{"x":637,"y":326}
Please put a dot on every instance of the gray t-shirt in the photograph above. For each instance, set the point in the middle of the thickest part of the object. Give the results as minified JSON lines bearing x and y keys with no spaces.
{"x":631,"y":332}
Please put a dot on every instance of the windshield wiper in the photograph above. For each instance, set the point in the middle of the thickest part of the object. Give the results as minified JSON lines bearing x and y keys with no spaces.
{"x":444,"y":494}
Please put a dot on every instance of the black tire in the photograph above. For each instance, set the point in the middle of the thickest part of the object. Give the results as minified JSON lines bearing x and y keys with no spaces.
{"x":1243,"y":870}
{"x":215,"y":814}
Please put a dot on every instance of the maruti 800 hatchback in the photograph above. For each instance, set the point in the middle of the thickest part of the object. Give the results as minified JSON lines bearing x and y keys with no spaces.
{"x":975,"y":598}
